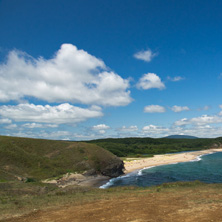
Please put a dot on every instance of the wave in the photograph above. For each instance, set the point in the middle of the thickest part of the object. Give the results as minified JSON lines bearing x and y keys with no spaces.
{"x":111,"y":181}
{"x":198,"y":158}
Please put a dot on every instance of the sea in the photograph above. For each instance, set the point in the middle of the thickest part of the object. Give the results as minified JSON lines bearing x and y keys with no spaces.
{"x":206,"y":168}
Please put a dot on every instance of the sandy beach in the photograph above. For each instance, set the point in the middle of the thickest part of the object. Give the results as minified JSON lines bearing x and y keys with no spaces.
{"x":132,"y":164}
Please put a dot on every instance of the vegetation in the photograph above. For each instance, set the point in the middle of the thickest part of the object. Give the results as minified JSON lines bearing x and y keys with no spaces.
{"x":31,"y":160}
{"x":18,"y":198}
{"x":123,"y":147}
{"x":36,"y":159}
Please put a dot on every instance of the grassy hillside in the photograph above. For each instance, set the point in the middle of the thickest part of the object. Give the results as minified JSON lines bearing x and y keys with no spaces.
{"x":140,"y":146}
{"x":40,"y":159}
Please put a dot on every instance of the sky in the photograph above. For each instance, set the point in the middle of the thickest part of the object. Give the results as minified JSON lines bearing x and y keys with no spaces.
{"x":82,"y":70}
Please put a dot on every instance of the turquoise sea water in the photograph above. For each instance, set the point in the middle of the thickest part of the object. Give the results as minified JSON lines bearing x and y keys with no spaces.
{"x":207,"y":168}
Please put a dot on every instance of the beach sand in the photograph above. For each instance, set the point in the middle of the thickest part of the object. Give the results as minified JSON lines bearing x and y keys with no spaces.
{"x":133,"y":164}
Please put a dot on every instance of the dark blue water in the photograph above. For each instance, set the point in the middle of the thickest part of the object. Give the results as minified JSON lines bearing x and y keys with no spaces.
{"x":207,"y":168}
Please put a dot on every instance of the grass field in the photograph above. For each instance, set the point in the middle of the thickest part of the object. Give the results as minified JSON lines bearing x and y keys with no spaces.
{"x":187,"y":201}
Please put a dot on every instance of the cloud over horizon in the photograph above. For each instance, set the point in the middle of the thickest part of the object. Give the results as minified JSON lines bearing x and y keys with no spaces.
{"x":60,"y":114}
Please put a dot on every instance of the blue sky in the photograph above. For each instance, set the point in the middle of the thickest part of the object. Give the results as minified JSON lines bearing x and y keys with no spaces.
{"x":85,"y":69}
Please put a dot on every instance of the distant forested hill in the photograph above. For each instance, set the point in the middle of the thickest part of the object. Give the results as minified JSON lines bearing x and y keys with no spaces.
{"x":181,"y":137}
{"x":141,"y":146}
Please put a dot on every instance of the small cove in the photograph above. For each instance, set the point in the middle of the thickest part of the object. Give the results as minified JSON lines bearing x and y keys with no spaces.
{"x":205,"y":168}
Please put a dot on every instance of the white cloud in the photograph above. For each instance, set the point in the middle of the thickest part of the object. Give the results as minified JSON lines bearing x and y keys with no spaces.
{"x":128,"y":129}
{"x":38,"y":125}
{"x":175,"y":79}
{"x":154,"y":131}
{"x":177,"y":109}
{"x":102,"y":131}
{"x":149,"y":81}
{"x":205,"y":119}
{"x":64,"y":113}
{"x":146,"y":56}
{"x":100,"y":127}
{"x":72,"y":75}
{"x":202,"y":131}
{"x":199,"y":121}
{"x":154,"y":109}
{"x":204,"y":108}
{"x":5,"y":121}
{"x":182,"y":122}
{"x":11,"y":126}
{"x":60,"y":134}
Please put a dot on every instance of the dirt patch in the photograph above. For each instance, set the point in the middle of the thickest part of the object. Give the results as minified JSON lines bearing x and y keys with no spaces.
{"x":186,"y":205}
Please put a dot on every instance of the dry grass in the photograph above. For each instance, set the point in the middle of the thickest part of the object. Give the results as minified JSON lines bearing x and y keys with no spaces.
{"x":45,"y":203}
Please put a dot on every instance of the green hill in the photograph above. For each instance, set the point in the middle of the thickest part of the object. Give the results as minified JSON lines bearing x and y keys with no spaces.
{"x":40,"y":159}
{"x":149,"y":146}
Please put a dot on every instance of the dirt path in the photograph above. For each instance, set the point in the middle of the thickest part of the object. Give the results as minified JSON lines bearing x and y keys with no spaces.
{"x":187,"y":205}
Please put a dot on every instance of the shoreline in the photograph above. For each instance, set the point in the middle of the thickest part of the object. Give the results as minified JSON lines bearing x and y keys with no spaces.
{"x":133,"y":164}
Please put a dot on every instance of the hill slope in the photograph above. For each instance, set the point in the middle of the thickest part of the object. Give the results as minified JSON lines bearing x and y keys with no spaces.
{"x":41,"y":159}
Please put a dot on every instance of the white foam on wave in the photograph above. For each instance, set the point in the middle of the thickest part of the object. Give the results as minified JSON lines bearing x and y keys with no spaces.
{"x":198,"y":158}
{"x":111,"y":181}
{"x":140,"y":172}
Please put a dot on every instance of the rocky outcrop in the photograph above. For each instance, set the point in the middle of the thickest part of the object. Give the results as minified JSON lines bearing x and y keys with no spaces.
{"x":114,"y":169}
{"x":216,"y":145}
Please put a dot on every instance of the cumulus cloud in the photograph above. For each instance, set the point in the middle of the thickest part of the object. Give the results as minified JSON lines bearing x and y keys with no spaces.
{"x":72,"y":75}
{"x":100,"y":127}
{"x":204,"y":131}
{"x":178,"y":109}
{"x":11,"y":126}
{"x":182,"y":122}
{"x":201,"y":120}
{"x":149,"y":81}
{"x":61,"y":114}
{"x":128,"y":129}
{"x":146,"y":55}
{"x":38,"y":125}
{"x":175,"y":79}
{"x":154,"y":131}
{"x":154,"y":109}
{"x":5,"y":121}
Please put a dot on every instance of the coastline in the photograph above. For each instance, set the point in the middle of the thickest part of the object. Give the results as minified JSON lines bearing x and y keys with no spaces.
{"x":133,"y":164}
